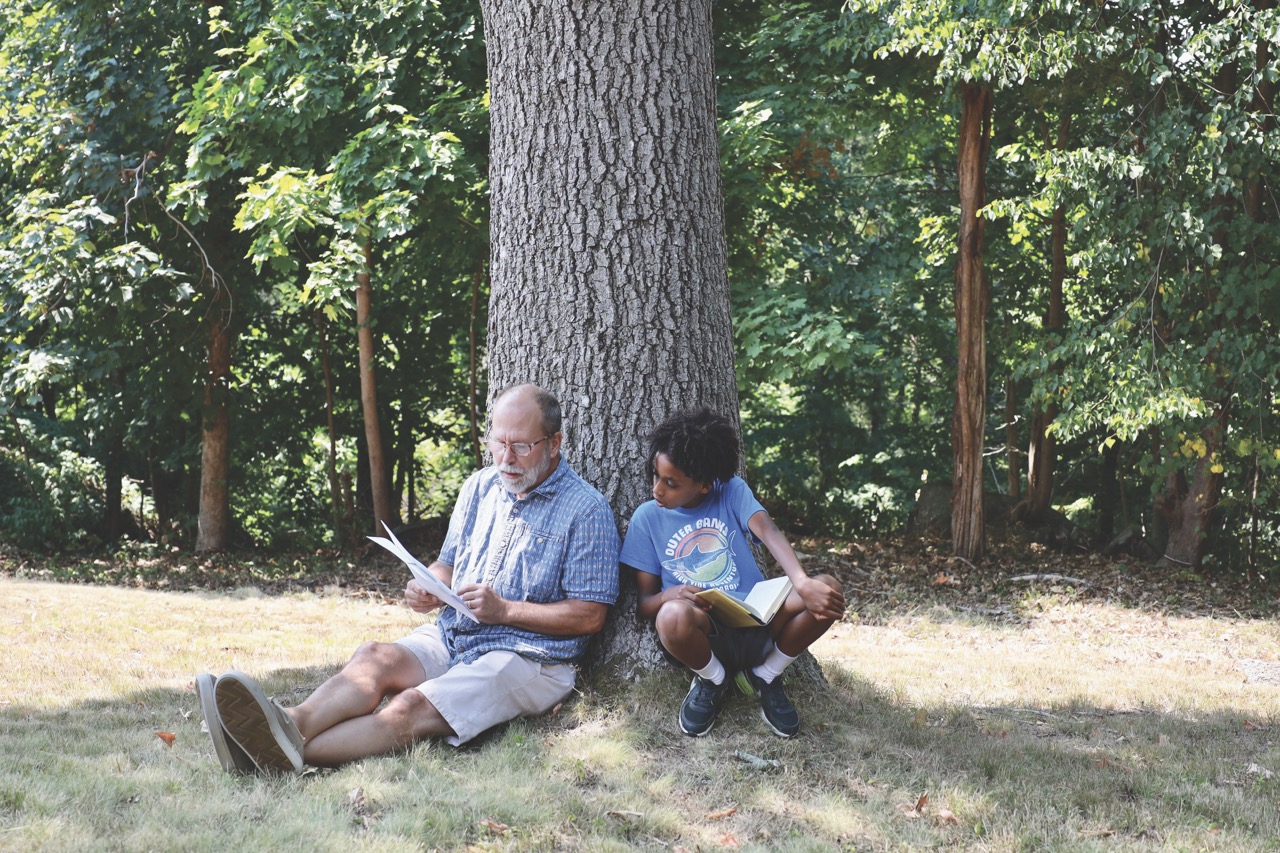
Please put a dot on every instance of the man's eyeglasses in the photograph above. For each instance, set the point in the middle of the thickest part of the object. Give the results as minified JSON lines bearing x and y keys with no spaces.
{"x":519,"y":448}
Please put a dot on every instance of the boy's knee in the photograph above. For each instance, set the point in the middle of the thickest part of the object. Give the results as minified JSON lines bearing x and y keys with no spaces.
{"x":679,"y":619}
{"x":831,"y":582}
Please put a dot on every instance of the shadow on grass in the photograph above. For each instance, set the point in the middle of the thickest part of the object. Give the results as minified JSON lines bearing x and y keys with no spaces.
{"x":610,"y":769}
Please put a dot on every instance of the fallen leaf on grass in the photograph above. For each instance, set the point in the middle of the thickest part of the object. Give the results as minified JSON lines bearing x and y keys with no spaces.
{"x":729,"y":840}
{"x":363,"y":812}
{"x":941,"y":579}
{"x":623,"y":815}
{"x":917,"y":808}
{"x":756,"y":761}
{"x":722,"y":814}
{"x":495,"y":827}
{"x":945,"y":816}
{"x":167,"y":737}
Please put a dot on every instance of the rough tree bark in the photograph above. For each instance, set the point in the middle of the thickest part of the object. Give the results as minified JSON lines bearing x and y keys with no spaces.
{"x":379,"y":480}
{"x":608,"y":272}
{"x":969,"y":416}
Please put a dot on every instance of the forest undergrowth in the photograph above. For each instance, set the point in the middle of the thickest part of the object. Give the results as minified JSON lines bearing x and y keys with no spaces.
{"x":888,"y":575}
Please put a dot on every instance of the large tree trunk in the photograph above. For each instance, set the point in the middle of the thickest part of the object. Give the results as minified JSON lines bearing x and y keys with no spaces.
{"x":608,"y":274}
{"x":473,"y":368}
{"x":969,"y":416}
{"x":379,"y":480}
{"x":214,"y":532}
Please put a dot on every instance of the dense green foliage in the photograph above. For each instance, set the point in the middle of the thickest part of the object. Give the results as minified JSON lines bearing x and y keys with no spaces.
{"x":148,"y":157}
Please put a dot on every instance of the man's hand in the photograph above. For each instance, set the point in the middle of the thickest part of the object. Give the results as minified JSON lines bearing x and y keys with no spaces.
{"x":419,"y":599}
{"x":489,"y":607}
{"x":819,"y":599}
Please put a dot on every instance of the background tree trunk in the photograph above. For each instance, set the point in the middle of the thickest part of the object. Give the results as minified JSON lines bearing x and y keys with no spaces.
{"x":1011,"y":437}
{"x":969,"y":418}
{"x":379,"y":480}
{"x":608,"y":273}
{"x":214,"y":528}
{"x":1195,"y":500}
{"x":1042,"y":453}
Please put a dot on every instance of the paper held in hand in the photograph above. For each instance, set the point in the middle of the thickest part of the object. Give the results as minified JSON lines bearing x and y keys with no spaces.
{"x":428,"y":581}
{"x":756,"y":608}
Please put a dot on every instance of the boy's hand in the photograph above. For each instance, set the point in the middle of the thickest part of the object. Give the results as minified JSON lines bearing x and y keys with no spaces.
{"x":686,"y":592}
{"x":820,"y":599}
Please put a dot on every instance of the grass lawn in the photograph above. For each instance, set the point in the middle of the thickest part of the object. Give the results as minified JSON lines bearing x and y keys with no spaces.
{"x":1048,"y":721}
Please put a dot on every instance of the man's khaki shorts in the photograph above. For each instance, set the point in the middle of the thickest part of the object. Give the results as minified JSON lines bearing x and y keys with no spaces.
{"x":497,"y":687}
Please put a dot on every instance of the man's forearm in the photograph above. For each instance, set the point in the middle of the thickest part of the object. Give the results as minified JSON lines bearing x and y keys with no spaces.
{"x":443,"y":571}
{"x":569,"y":618}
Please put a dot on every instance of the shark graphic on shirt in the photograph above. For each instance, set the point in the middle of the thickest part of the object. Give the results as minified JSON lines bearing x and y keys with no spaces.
{"x":712,"y":568}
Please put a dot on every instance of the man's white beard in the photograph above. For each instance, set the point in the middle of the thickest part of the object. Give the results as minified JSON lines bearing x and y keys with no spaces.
{"x":529,"y":476}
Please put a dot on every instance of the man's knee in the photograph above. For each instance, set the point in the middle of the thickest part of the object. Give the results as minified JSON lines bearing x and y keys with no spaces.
{"x":374,"y":653}
{"x":412,"y":716}
{"x":384,"y":664}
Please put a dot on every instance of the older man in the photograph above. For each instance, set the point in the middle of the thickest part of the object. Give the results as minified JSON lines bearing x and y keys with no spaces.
{"x":532,"y":549}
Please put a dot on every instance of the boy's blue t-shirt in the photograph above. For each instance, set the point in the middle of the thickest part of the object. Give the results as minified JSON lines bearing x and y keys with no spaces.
{"x":708,"y":546}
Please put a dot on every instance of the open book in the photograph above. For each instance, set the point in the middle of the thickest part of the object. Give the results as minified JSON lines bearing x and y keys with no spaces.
{"x":428,"y":581}
{"x":756,"y":608}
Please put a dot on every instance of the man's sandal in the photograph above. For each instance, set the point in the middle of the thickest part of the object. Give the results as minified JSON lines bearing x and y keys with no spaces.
{"x":257,"y":724}
{"x":232,"y":758}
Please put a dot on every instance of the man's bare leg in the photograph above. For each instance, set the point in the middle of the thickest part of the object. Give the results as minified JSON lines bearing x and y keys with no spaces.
{"x":407,"y":717}
{"x":375,"y":671}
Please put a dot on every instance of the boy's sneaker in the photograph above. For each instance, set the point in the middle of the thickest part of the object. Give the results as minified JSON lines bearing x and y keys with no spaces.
{"x":698,"y":711}
{"x":775,"y":707}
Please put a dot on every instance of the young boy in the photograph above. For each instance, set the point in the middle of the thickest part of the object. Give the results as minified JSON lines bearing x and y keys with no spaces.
{"x":696,"y":534}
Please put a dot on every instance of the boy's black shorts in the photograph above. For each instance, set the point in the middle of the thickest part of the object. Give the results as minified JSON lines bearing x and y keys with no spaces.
{"x":738,"y":649}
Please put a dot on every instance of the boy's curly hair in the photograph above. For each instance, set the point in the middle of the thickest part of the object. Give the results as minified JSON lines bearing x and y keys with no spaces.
{"x":700,"y":442}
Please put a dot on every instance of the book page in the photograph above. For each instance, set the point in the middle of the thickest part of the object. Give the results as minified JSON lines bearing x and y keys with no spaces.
{"x":422,"y":575}
{"x":767,"y":596}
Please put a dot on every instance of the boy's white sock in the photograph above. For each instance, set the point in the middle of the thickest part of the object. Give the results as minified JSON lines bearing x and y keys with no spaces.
{"x":772,"y":665}
{"x":713,"y":671}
